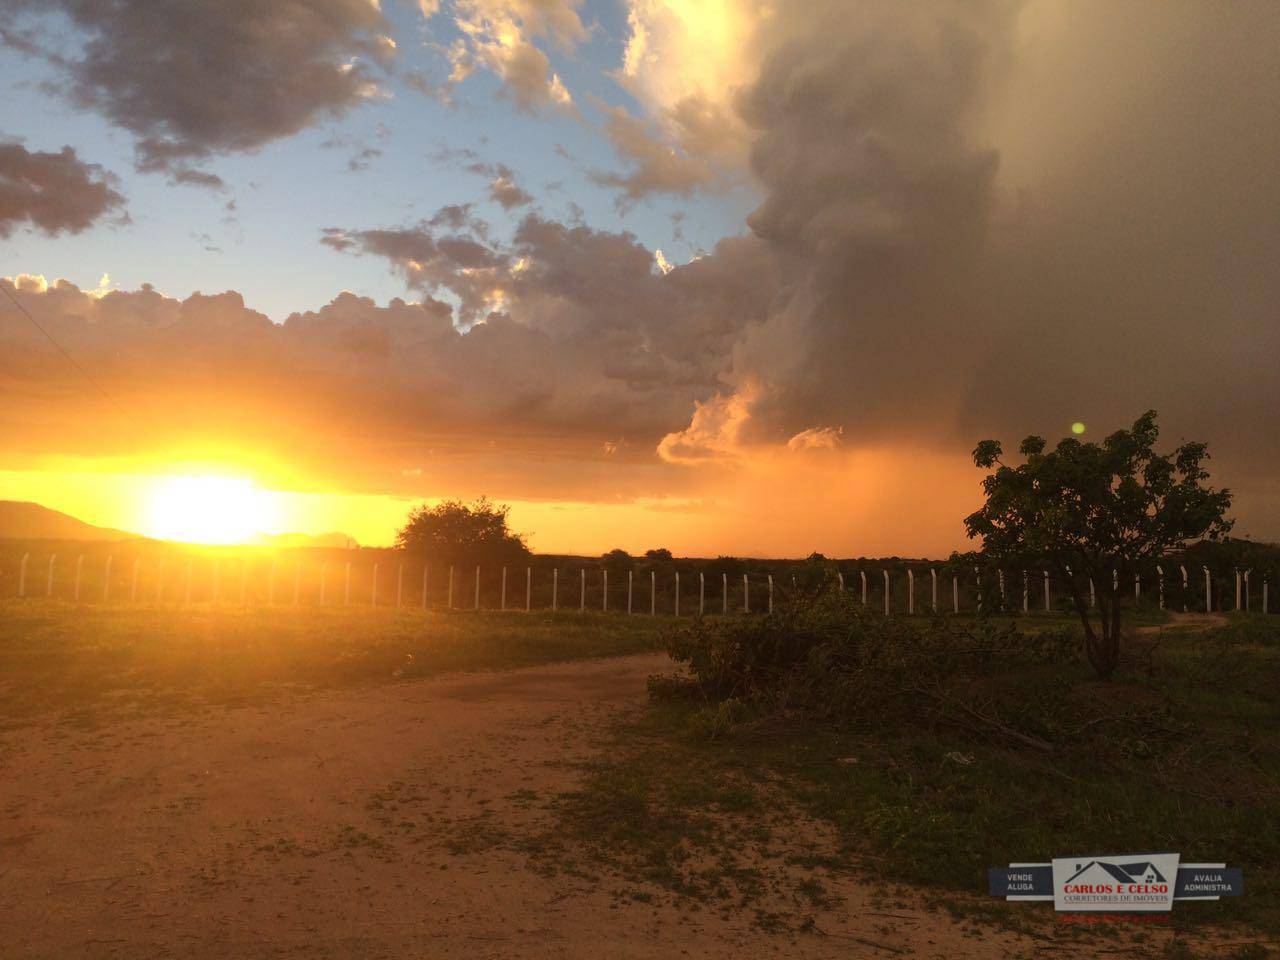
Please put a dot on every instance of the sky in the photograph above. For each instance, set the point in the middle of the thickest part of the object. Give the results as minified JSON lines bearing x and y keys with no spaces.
{"x":724,"y":276}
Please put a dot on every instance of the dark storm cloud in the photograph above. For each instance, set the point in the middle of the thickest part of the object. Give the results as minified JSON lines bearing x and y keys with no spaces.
{"x":191,"y":80}
{"x":56,"y":192}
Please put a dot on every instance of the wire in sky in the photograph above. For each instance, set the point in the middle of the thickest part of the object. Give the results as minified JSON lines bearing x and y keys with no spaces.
{"x":70,"y":359}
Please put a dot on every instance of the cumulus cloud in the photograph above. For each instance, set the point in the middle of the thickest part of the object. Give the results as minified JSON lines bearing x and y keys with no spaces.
{"x":191,"y":80}
{"x":655,"y":165}
{"x":499,"y":35}
{"x":54,"y":192}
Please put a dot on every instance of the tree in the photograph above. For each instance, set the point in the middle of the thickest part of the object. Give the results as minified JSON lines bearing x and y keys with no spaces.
{"x":618,"y":562}
{"x":1085,"y":510}
{"x":453,"y":531}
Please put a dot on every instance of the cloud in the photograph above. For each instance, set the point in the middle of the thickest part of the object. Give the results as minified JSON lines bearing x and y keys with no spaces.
{"x":657,"y":166}
{"x":504,"y":191}
{"x":497,"y":35}
{"x":54,"y":192}
{"x":194,"y":80}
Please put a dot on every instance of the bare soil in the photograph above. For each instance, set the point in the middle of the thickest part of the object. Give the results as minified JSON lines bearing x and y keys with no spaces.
{"x":374,"y":822}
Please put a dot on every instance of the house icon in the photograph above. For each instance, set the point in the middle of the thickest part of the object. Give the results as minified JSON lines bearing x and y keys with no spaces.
{"x":1102,"y":871}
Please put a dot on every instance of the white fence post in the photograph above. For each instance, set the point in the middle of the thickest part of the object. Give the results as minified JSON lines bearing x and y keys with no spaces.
{"x":863,"y":575}
{"x":886,"y":592}
{"x":79,"y":575}
{"x":555,"y":588}
{"x":702,"y":593}
{"x":771,"y":593}
{"x":911,"y":591}
{"x":677,"y":593}
{"x":106,"y":580}
{"x":22,"y":575}
{"x":477,"y":597}
{"x":955,"y":593}
{"x":1137,"y":587}
{"x":933,"y":577}
{"x":48,"y":592}
{"x":1185,"y":587}
{"x":1237,"y":588}
{"x":528,"y":589}
{"x":746,"y":595}
{"x":502,"y":603}
{"x":582,"y":598}
{"x":400,"y":584}
{"x":1048,"y":606}
{"x":604,"y":600}
{"x":724,"y":586}
{"x":840,"y":578}
{"x":1208,"y":591}
{"x":1248,"y":597}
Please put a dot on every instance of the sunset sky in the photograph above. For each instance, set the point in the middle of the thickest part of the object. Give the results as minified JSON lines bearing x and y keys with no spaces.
{"x":725,"y":276}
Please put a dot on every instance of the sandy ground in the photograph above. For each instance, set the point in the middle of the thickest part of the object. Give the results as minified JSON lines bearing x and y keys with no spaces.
{"x":353,"y":824}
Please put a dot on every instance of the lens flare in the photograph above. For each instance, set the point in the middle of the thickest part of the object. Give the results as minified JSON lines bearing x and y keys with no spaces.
{"x":1077,"y":428}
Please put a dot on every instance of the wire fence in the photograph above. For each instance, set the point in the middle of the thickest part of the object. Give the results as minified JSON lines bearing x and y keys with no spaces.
{"x":678,"y":588}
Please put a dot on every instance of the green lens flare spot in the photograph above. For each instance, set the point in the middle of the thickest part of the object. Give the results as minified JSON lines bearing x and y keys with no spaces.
{"x":1077,"y":428}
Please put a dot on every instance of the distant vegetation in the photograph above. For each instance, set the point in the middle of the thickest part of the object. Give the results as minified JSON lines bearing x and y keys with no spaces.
{"x":458,"y":532}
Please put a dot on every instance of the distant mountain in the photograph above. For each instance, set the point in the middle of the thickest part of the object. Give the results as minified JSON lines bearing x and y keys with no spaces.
{"x":30,"y":521}
{"x":286,"y":540}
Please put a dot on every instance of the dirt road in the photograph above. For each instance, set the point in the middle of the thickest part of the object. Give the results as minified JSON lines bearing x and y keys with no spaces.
{"x":358,"y":824}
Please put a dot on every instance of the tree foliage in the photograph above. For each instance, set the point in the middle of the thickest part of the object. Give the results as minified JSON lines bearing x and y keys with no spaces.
{"x":457,"y":532}
{"x":1096,"y":511}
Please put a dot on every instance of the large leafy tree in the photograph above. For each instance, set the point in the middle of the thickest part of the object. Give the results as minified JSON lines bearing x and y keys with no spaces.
{"x":1084,"y":510}
{"x":454,"y":531}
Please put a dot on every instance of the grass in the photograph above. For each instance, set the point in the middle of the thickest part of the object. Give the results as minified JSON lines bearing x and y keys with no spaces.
{"x":88,"y":663}
{"x":1180,"y":751}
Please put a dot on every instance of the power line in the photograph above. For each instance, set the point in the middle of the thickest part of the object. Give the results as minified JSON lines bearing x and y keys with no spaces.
{"x":70,"y":359}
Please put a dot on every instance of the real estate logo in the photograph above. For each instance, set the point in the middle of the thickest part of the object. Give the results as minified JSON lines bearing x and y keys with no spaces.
{"x":1123,"y":883}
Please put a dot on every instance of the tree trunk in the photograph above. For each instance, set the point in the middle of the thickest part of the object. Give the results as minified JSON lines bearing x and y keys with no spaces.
{"x":1103,"y":647}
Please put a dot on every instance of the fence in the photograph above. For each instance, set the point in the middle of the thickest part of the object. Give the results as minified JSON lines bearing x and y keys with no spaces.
{"x":548,"y":584}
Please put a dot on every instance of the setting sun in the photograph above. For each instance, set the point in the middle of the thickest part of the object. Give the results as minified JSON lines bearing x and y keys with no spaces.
{"x":209,"y":510}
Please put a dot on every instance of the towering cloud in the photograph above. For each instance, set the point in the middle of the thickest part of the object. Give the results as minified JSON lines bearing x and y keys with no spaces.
{"x":56,"y":192}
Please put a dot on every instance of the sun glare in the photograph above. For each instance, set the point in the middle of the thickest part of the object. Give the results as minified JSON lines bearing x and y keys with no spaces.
{"x":209,"y":510}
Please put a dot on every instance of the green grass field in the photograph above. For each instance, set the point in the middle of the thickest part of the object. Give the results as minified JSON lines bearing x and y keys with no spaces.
{"x":1181,"y":751}
{"x":91,"y":662}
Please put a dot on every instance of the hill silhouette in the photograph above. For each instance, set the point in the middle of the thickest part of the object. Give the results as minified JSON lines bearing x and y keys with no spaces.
{"x":20,"y":520}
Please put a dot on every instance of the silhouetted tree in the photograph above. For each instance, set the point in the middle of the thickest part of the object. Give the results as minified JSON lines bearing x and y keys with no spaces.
{"x":454,"y":531}
{"x":618,"y":562}
{"x":1086,"y":509}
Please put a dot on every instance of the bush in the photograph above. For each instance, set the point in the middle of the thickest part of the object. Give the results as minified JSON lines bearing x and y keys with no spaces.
{"x":830,"y":658}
